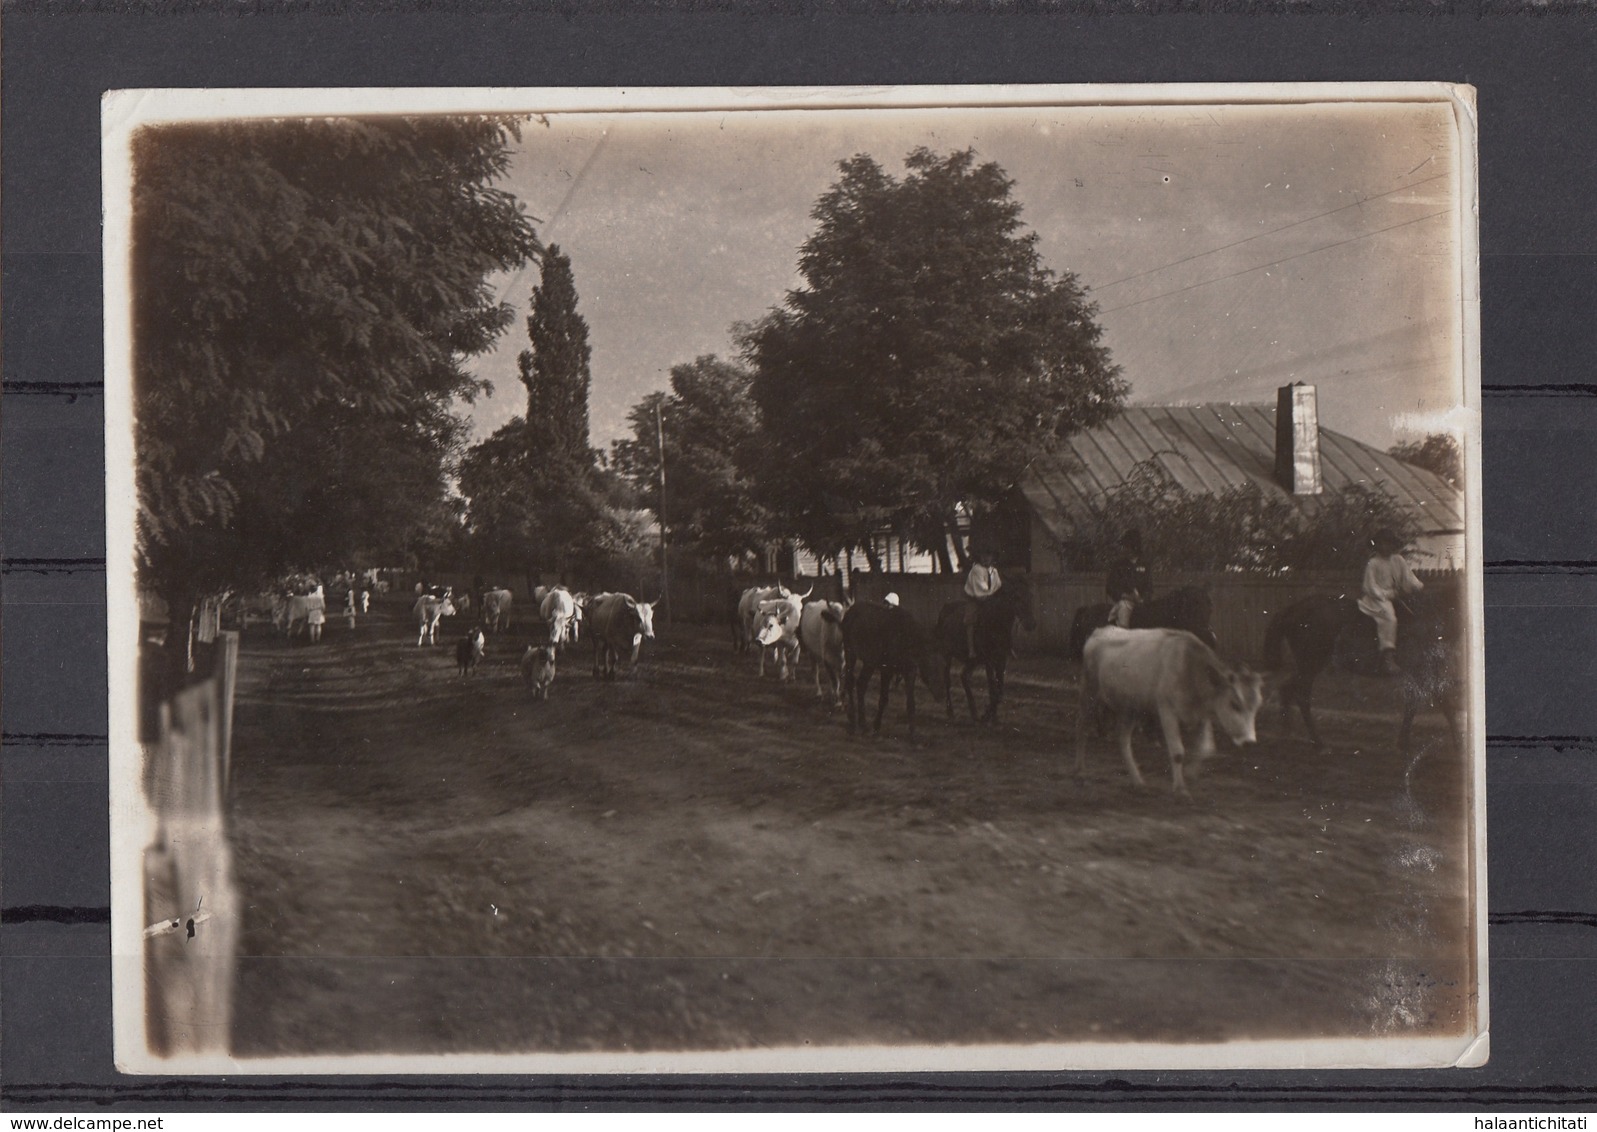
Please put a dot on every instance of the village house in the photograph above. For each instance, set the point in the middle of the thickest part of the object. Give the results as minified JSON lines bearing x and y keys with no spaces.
{"x":1209,"y":447}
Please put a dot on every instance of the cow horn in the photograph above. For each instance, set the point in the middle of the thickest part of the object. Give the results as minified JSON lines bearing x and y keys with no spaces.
{"x":809,"y":591}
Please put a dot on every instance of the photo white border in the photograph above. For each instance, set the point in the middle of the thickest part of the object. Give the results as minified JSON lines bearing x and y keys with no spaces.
{"x":124,"y":112}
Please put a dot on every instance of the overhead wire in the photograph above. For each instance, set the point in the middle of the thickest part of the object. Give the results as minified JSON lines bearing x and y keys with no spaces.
{"x":560,"y":209}
{"x":1261,"y":235}
{"x":1274,"y":262}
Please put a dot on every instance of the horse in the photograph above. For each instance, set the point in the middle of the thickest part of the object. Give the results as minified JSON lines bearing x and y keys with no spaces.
{"x":1187,"y":608}
{"x":1429,"y":651}
{"x":878,"y":637}
{"x":994,"y":638}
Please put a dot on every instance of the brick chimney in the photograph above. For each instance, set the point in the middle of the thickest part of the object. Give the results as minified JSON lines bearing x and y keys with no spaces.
{"x":1297,"y":440}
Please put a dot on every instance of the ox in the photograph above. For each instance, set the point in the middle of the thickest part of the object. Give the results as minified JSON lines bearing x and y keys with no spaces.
{"x":496,"y":609}
{"x":748,"y":612}
{"x":885,"y":638}
{"x":468,"y":650}
{"x":538,"y":669}
{"x":429,"y":611}
{"x":559,"y":609}
{"x":620,"y":622}
{"x":1170,"y":674}
{"x":777,"y":627}
{"x":821,"y":635}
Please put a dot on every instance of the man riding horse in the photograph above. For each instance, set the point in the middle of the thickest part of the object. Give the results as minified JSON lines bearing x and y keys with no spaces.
{"x":980,"y":586}
{"x":1129,"y":580}
{"x":1386,"y":576}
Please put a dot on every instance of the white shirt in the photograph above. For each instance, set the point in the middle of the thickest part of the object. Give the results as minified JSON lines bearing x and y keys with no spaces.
{"x":983,"y":581}
{"x":1384,"y":579}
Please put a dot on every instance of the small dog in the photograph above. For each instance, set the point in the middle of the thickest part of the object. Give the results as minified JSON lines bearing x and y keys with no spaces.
{"x":538,"y":669}
{"x":468,"y":651}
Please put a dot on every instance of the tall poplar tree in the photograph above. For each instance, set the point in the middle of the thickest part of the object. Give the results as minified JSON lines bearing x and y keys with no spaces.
{"x":538,"y":502}
{"x":555,"y":369}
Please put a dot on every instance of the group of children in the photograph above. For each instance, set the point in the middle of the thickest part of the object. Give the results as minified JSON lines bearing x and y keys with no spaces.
{"x":1387,"y":576}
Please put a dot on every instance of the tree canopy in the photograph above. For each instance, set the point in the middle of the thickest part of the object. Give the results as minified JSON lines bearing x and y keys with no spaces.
{"x":305,"y":295}
{"x":555,"y":369}
{"x":711,"y":432}
{"x":927,"y":359}
{"x":1438,"y":453}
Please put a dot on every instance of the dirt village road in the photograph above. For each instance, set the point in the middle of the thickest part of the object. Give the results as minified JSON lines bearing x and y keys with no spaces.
{"x":693,"y":858}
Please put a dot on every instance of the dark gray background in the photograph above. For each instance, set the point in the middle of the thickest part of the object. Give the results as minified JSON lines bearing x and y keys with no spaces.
{"x":1536,"y":79}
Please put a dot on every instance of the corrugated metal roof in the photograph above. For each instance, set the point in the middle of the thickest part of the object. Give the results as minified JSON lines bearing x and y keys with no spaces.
{"x":1213,"y":448}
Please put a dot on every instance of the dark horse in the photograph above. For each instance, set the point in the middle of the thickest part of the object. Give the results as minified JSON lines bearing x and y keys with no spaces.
{"x":1430,"y":642}
{"x":1187,"y":608}
{"x":884,"y":638}
{"x":994,"y":638}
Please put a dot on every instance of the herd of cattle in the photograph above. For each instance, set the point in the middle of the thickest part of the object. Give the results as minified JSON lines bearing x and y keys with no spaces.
{"x":617,"y":623}
{"x":1163,"y":674}
{"x":1168,"y":676}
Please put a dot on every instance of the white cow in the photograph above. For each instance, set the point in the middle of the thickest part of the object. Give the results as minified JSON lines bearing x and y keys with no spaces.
{"x":428,"y":611}
{"x":777,"y":627}
{"x":821,"y":635}
{"x":559,"y":610}
{"x":496,"y":609}
{"x":579,"y":614}
{"x":1170,"y":674}
{"x":748,"y":612}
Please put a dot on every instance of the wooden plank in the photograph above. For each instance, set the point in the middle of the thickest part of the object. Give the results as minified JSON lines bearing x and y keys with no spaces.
{"x":191,"y":909}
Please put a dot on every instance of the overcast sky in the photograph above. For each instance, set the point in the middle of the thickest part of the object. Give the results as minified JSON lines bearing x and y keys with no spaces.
{"x":1231,"y":248}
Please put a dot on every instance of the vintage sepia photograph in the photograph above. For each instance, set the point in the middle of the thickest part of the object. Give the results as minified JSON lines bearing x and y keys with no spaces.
{"x":795,"y":580}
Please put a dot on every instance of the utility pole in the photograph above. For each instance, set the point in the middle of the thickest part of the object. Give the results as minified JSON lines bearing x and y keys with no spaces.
{"x":665,"y":542}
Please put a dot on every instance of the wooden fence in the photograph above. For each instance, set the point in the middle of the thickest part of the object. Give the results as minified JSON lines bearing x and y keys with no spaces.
{"x":189,"y":902}
{"x":1243,"y":603}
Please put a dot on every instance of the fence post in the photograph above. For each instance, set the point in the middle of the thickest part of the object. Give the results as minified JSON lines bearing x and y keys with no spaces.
{"x":227,"y":675}
{"x":189,"y":904}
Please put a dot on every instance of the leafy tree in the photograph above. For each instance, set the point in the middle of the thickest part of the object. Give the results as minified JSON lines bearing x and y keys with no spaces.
{"x":928,"y":357}
{"x":711,"y":430}
{"x":1439,"y":453}
{"x":1244,"y":528}
{"x":556,"y":368}
{"x":305,"y":294}
{"x":538,"y":499}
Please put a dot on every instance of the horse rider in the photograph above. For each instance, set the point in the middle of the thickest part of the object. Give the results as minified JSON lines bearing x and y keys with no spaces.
{"x":980,"y":585}
{"x":1386,"y":576}
{"x":1129,"y":580}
